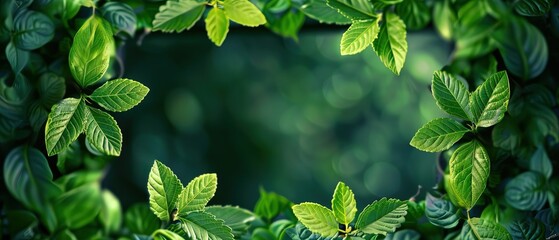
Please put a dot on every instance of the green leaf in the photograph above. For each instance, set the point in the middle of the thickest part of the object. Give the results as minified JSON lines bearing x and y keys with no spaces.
{"x":316,"y":218}
{"x":438,"y":135}
{"x":16,"y":57}
{"x":217,"y":26}
{"x":196,"y":195}
{"x":469,"y":171}
{"x":51,"y":89}
{"x":65,"y":123}
{"x":526,"y":191}
{"x":79,"y":206}
{"x":37,"y":116}
{"x":483,"y":230}
{"x":523,"y":48}
{"x":202,"y":225}
{"x":382,"y":216}
{"x":164,"y":234}
{"x":178,"y":15}
{"x":359,"y":36}
{"x":532,"y":8}
{"x":32,"y":30}
{"x":354,"y":9}
{"x":103,"y":132}
{"x":70,"y":158}
{"x":78,"y":178}
{"x":444,"y":19}
{"x":474,"y":30}
{"x":540,"y":163}
{"x":391,"y":44}
{"x":238,"y":219}
{"x":270,"y":205}
{"x":451,"y":95}
{"x":406,"y":234}
{"x":288,"y":25}
{"x":489,"y":101}
{"x":121,"y":16}
{"x":320,"y":11}
{"x":506,"y":134}
{"x":91,"y":51}
{"x":119,"y":95}
{"x":441,"y":213}
{"x":164,"y":188}
{"x":414,"y":13}
{"x":243,"y":12}
{"x":110,"y":215}
{"x":299,"y":232}
{"x":344,"y":205}
{"x":527,"y":229}
{"x":140,"y":220}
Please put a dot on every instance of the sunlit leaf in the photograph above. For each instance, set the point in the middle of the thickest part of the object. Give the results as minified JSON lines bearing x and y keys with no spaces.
{"x":119,"y":95}
{"x":382,"y":216}
{"x":243,"y":12}
{"x":164,"y":188}
{"x":316,"y":218}
{"x":489,"y":102}
{"x":111,"y":212}
{"x":391,"y":44}
{"x":202,"y":225}
{"x":444,"y":18}
{"x":65,"y":123}
{"x":451,"y":95}
{"x":164,"y":234}
{"x":359,"y":36}
{"x":196,"y":195}
{"x":217,"y":26}
{"x":438,"y":135}
{"x":344,"y":205}
{"x":469,"y":171}
{"x":103,"y":132}
{"x":176,"y":16}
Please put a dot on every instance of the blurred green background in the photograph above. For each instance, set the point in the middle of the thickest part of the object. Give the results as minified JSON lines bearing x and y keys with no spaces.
{"x":291,"y":117}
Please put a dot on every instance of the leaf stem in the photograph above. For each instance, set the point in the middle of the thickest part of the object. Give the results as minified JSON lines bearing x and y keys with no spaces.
{"x":474,"y":230}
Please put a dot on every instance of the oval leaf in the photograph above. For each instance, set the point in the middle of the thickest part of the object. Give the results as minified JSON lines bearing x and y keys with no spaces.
{"x":528,"y":229}
{"x":202,"y":225}
{"x":176,"y":16}
{"x":320,"y":11}
{"x":532,"y":8}
{"x":32,"y":30}
{"x":391,"y":44}
{"x":16,"y":57}
{"x":344,"y":205}
{"x":525,"y":191}
{"x":540,"y":163}
{"x":438,"y":135}
{"x":79,"y":206}
{"x":354,"y":9}
{"x":316,"y":218}
{"x":164,"y":188}
{"x":243,"y":12}
{"x":197,"y":194}
{"x":121,"y":16}
{"x":236,"y":218}
{"x":217,"y":26}
{"x":103,"y":132}
{"x":451,"y":95}
{"x":119,"y":95}
{"x":111,"y":212}
{"x":489,"y":102}
{"x":382,"y":216}
{"x":65,"y":123}
{"x":140,"y":220}
{"x":359,"y":36}
{"x":483,"y":230}
{"x":51,"y":89}
{"x":441,"y":212}
{"x":414,"y":13}
{"x":469,"y":171}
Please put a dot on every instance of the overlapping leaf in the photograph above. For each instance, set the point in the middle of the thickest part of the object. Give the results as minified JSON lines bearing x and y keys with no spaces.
{"x":391,"y":45}
{"x":489,"y":102}
{"x":16,"y":57}
{"x":316,"y":218}
{"x":103,"y":132}
{"x":344,"y":205}
{"x":382,"y":216}
{"x":119,"y":95}
{"x":196,"y":195}
{"x":528,"y":229}
{"x":320,"y":11}
{"x":414,"y":13}
{"x":236,"y":218}
{"x":164,"y":188}
{"x":243,"y":12}
{"x":354,"y":9}
{"x":204,"y":226}
{"x":482,"y":229}
{"x":525,"y":191}
{"x":217,"y":26}
{"x":32,"y":29}
{"x":438,"y":135}
{"x":176,"y":16}
{"x":65,"y":123}
{"x":121,"y":16}
{"x":441,"y":212}
{"x":451,"y":95}
{"x":359,"y":36}
{"x":469,"y":171}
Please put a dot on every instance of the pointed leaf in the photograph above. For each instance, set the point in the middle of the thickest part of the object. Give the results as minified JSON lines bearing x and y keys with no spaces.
{"x":16,"y":57}
{"x":540,"y":163}
{"x":344,"y":205}
{"x":197,"y":194}
{"x":164,"y":234}
{"x":217,"y":26}
{"x":243,"y":12}
{"x":176,"y":16}
{"x":451,"y":95}
{"x":526,"y":191}
{"x":164,"y":188}
{"x":528,"y":229}
{"x":532,"y":7}
{"x":359,"y":36}
{"x":79,"y":206}
{"x":469,"y":171}
{"x":238,"y":219}
{"x":138,"y":219}
{"x":489,"y":102}
{"x":438,"y":135}
{"x":119,"y":95}
{"x":354,"y":9}
{"x":483,"y":229}
{"x":414,"y":13}
{"x":91,"y":51}
{"x":316,"y":218}
{"x":382,"y":216}
{"x":32,"y":29}
{"x":320,"y":11}
{"x":204,"y":226}
{"x":103,"y":132}
{"x":121,"y":16}
{"x":51,"y":89}
{"x":65,"y":123}
{"x":441,"y":213}
{"x":391,"y":44}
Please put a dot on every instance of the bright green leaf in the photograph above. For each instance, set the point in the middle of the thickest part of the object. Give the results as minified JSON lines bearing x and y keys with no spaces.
{"x":532,"y":8}
{"x":320,"y":11}
{"x":451,"y":95}
{"x":489,"y":101}
{"x":111,"y":212}
{"x":196,"y":195}
{"x":540,"y":163}
{"x":32,"y":30}
{"x":243,"y":12}
{"x":238,"y":219}
{"x":316,"y":218}
{"x":469,"y":171}
{"x":16,"y":57}
{"x":438,"y":135}
{"x":119,"y":95}
{"x":270,"y":205}
{"x":481,"y":229}
{"x":354,"y":9}
{"x":79,"y":206}
{"x":382,"y":216}
{"x":444,"y":18}
{"x":202,"y":225}
{"x":414,"y":13}
{"x":217,"y":26}
{"x":178,"y":15}
{"x":140,"y":220}
{"x":65,"y":123}
{"x":103,"y":132}
{"x":344,"y":205}
{"x":526,"y":191}
{"x":359,"y":36}
{"x":441,"y":213}
{"x":91,"y":51}
{"x":51,"y":89}
{"x":164,"y":188}
{"x":391,"y":44}
{"x":121,"y":16}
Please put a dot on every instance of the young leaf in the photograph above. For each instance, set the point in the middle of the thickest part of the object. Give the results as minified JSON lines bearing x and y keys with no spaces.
{"x":478,"y":228}
{"x":382,"y":216}
{"x":119,"y":95}
{"x":202,"y":225}
{"x":91,"y":51}
{"x":359,"y":36}
{"x":65,"y":123}
{"x":80,"y":206}
{"x":469,"y":171}
{"x":489,"y":101}
{"x":110,"y":215}
{"x":344,"y":205}
{"x":51,"y":89}
{"x":316,"y":218}
{"x":139,"y":219}
{"x":243,"y":12}
{"x":16,"y":57}
{"x":529,"y":229}
{"x":414,"y":13}
{"x":103,"y":132}
{"x":196,"y":194}
{"x":526,"y":191}
{"x":354,"y":9}
{"x":438,"y":135}
{"x":121,"y":16}
{"x":217,"y":26}
{"x":451,"y":95}
{"x":532,"y":8}
{"x":178,"y":15}
{"x":391,"y":44}
{"x":32,"y":30}
{"x":441,"y":213}
{"x":164,"y":188}
{"x":320,"y":11}
{"x":238,"y":219}
{"x":540,"y":163}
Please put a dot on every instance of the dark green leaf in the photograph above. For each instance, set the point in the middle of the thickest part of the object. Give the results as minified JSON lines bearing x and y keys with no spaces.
{"x":79,"y":206}
{"x":481,"y":229}
{"x":451,"y":95}
{"x":320,"y":11}
{"x":32,"y":30}
{"x":243,"y":12}
{"x":406,"y":234}
{"x":164,"y":188}
{"x":438,"y":135}
{"x":288,"y":25}
{"x":103,"y":132}
{"x":528,"y":229}
{"x":217,"y":26}
{"x":65,"y":123}
{"x":391,"y":45}
{"x":196,"y":194}
{"x":415,"y":14}
{"x":540,"y":163}
{"x":489,"y":101}
{"x":474,"y":30}
{"x":16,"y":57}
{"x":51,"y":89}
{"x":202,"y":225}
{"x":506,"y":134}
{"x":532,"y":7}
{"x":316,"y":218}
{"x":469,"y":171}
{"x":119,"y":95}
{"x":441,"y":212}
{"x":121,"y":16}
{"x":299,"y":232}
{"x":236,"y":218}
{"x":22,"y":224}
{"x":526,"y":191}
{"x":382,"y":216}
{"x":354,"y":9}
{"x":37,"y":116}
{"x":140,"y":220}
